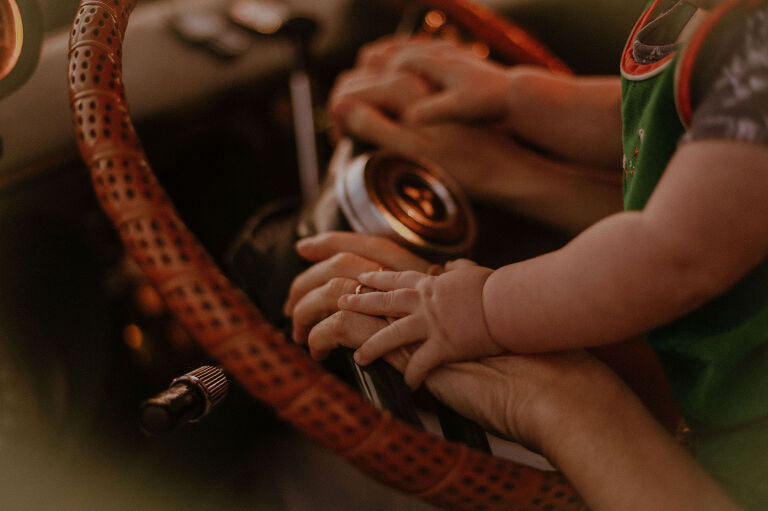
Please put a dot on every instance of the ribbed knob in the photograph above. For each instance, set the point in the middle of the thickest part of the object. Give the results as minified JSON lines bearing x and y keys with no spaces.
{"x":188,"y":399}
{"x":211,"y":381}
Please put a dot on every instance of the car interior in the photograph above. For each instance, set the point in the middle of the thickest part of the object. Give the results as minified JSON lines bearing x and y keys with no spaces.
{"x":85,"y":338}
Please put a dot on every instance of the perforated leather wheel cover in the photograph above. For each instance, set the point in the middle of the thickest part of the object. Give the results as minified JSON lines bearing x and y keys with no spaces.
{"x":234,"y":332}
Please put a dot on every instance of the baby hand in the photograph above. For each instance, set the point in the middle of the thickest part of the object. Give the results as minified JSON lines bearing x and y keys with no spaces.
{"x":469,"y":88}
{"x":445,"y":312}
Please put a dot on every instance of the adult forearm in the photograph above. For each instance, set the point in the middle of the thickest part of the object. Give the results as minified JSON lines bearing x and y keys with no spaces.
{"x":618,"y":457}
{"x":576,"y":118}
{"x":569,"y":196}
{"x":586,"y":422}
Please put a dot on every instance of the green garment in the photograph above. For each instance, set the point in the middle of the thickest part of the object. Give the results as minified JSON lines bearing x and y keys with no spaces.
{"x":716,"y":357}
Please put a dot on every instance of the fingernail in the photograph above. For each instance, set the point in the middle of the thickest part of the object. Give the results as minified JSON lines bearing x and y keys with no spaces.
{"x":359,"y":359}
{"x":344,"y":300}
{"x":303,"y":243}
{"x":364,"y":276}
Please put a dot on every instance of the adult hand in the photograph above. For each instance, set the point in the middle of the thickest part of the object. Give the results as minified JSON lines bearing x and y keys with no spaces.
{"x":340,"y":257}
{"x":526,"y":398}
{"x":467,"y":87}
{"x":369,"y":102}
{"x":570,"y":407}
{"x":438,"y":81}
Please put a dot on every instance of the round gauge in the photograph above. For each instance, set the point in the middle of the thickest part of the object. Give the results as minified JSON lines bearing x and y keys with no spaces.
{"x":21,"y":35}
{"x":411,"y":202}
{"x":11,"y":36}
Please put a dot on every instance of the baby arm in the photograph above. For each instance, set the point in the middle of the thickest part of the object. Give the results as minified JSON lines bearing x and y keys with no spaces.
{"x":575,"y":118}
{"x":704,"y":228}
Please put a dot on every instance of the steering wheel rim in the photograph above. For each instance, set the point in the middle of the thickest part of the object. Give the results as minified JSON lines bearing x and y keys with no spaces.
{"x":234,"y":332}
{"x":507,"y":39}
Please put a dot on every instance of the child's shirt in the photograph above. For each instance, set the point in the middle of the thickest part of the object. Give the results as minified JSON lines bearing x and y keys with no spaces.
{"x":689,"y":77}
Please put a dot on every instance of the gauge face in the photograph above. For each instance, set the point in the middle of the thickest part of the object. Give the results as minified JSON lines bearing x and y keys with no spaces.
{"x":11,"y":36}
{"x":420,"y":199}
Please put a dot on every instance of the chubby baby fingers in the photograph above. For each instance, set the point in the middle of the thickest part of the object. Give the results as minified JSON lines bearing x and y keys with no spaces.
{"x":344,"y":328}
{"x":318,"y":304}
{"x":391,"y":280}
{"x":402,"y":332}
{"x":341,"y":264}
{"x":459,"y":263}
{"x":426,"y":358}
{"x":397,"y":303}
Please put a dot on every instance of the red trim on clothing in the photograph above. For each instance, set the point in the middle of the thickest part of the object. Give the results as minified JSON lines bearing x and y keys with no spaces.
{"x":691,"y":52}
{"x":629,"y":65}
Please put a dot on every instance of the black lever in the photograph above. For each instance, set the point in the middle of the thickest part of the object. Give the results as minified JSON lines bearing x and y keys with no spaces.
{"x":189,"y":398}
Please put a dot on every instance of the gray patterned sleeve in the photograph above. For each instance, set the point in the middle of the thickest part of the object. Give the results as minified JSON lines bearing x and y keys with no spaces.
{"x":730,"y":94}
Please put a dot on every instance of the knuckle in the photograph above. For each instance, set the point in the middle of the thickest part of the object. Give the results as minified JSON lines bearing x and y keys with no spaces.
{"x":338,"y":285}
{"x":425,"y":286}
{"x":388,"y":299}
{"x":396,"y":329}
{"x":337,"y":323}
{"x":338,"y":261}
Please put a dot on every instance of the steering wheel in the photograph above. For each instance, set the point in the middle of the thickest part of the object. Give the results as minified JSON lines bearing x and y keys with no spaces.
{"x":234,"y":332}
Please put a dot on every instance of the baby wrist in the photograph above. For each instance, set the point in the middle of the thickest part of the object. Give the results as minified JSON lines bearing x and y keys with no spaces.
{"x":457,"y":305}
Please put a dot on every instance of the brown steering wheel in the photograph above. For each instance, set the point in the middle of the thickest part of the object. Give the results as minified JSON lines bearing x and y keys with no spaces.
{"x":235,"y":333}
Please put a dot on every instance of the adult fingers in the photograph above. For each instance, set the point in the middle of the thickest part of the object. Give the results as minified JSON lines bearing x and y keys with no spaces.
{"x":343,"y":328}
{"x":446,"y":106}
{"x":378,"y":53}
{"x":383,"y":251}
{"x":395,"y":304}
{"x":430,"y":65}
{"x":318,"y":304}
{"x":441,"y":71}
{"x":390,"y":91}
{"x":422,"y":49}
{"x":367,"y":123}
{"x":459,"y":263}
{"x":340,"y":264}
{"x":404,"y":331}
{"x":391,"y":280}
